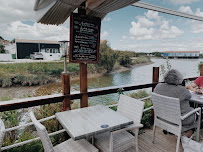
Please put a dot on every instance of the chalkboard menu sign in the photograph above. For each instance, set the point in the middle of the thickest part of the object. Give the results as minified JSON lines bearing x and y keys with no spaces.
{"x":84,"y":39}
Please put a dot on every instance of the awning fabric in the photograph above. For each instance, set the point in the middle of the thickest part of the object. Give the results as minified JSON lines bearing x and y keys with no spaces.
{"x":109,"y":6}
{"x":57,"y":11}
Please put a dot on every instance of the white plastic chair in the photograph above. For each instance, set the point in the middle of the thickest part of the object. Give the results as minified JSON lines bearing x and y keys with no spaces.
{"x":2,"y":133}
{"x":167,"y":115}
{"x":190,"y":145}
{"x":67,"y":146}
{"x":120,"y":140}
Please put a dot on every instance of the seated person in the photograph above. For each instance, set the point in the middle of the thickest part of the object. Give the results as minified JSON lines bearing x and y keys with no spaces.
{"x":173,"y":88}
{"x":197,"y":85}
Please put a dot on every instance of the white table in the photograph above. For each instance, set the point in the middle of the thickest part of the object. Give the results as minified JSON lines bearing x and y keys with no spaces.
{"x":196,"y":98}
{"x":85,"y":122}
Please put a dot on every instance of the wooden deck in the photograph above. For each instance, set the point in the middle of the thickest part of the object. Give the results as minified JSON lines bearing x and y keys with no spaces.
{"x":163,"y":143}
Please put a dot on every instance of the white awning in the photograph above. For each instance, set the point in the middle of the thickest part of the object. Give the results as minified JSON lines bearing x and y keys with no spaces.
{"x":109,"y":6}
{"x":57,"y":11}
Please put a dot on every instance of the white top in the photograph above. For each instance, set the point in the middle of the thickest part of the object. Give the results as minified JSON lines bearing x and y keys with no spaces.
{"x":84,"y":122}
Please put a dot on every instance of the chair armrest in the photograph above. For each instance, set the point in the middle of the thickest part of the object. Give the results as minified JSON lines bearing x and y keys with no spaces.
{"x":148,"y":109}
{"x":133,"y":126}
{"x":190,"y":113}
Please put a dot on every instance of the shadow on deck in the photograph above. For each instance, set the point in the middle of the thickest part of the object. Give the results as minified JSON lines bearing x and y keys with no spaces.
{"x":163,"y":143}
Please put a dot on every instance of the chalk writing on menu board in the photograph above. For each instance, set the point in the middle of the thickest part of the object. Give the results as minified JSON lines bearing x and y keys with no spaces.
{"x":84,"y":39}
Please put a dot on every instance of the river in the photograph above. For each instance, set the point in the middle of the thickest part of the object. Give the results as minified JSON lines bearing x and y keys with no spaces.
{"x":137,"y":75}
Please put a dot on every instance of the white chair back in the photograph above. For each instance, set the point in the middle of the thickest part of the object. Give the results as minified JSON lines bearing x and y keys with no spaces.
{"x":2,"y":133}
{"x":48,"y":147}
{"x":131,"y":108}
{"x":166,"y":108}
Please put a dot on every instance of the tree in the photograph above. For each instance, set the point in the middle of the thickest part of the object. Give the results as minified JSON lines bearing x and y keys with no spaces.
{"x":108,"y":56}
{"x":1,"y":37}
{"x":12,"y":41}
{"x":125,"y":60}
{"x":2,"y":49}
{"x":158,"y":54}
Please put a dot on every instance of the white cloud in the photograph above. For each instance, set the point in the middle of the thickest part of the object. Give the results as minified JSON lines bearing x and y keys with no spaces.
{"x":13,"y":13}
{"x":104,"y":35}
{"x":185,"y":9}
{"x":152,"y":15}
{"x":192,"y":45}
{"x":196,"y":26}
{"x":183,"y":1}
{"x":144,"y":22}
{"x":146,"y":29}
{"x":36,"y":32}
{"x":107,"y":19}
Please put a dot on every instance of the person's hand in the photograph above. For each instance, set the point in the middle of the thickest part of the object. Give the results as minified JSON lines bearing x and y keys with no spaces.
{"x":199,"y":91}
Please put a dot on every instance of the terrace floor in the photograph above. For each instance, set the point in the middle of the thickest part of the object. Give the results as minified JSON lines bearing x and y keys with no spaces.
{"x":163,"y":143}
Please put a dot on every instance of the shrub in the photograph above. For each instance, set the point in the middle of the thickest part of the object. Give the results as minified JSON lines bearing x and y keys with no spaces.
{"x":125,"y":60}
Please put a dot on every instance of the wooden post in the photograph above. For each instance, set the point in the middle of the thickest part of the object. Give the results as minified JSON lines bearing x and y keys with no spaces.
{"x":83,"y":85}
{"x":66,"y":91}
{"x":83,"y":70}
{"x":155,"y":77}
{"x":201,"y":70}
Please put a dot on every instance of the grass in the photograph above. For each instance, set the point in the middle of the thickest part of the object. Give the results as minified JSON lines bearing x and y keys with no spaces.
{"x":28,"y":74}
{"x":40,"y":73}
{"x":140,"y":60}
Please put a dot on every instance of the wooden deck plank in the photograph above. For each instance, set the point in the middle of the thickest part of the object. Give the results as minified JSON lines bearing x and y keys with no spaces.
{"x":163,"y":143}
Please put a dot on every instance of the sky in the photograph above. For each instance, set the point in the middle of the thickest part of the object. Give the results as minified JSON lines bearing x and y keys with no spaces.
{"x":130,"y":28}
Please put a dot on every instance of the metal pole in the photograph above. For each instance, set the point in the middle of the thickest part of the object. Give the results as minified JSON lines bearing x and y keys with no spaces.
{"x":65,"y":65}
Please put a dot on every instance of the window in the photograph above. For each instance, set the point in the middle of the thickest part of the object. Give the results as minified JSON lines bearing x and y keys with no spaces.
{"x":47,"y":50}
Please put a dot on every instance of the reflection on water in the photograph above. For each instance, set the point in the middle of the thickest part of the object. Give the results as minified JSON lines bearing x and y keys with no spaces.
{"x":137,"y":75}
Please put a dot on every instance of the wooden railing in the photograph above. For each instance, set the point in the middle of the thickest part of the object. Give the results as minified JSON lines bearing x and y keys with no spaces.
{"x":42,"y":100}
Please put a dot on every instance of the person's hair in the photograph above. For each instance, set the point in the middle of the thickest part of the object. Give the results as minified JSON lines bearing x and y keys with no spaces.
{"x":173,"y":77}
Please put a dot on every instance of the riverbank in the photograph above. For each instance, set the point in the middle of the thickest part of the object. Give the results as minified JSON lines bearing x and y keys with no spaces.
{"x":43,"y":73}
{"x":54,"y":87}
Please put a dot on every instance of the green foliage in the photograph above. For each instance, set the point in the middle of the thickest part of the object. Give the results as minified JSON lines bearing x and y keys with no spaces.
{"x":140,"y":60}
{"x":2,"y":49}
{"x":125,"y":60}
{"x":28,"y":74}
{"x":12,"y":41}
{"x":164,"y":69}
{"x":108,"y":57}
{"x":158,"y":54}
{"x":147,"y":119}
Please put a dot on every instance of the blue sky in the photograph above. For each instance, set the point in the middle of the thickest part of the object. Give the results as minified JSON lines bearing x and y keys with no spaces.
{"x":130,"y":28}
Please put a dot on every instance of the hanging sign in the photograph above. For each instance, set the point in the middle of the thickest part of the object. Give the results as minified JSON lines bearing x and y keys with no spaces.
{"x":84,"y":39}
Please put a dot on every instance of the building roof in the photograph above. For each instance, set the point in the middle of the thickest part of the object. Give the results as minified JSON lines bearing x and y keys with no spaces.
{"x":181,"y":52}
{"x":35,"y":41}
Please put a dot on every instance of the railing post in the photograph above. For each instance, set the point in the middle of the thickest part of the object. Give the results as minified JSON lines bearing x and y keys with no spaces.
{"x":66,"y":91}
{"x":83,"y":85}
{"x":201,"y":70}
{"x":155,"y":77}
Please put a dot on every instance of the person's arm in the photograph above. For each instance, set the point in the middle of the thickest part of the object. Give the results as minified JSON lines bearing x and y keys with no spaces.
{"x":192,"y":86}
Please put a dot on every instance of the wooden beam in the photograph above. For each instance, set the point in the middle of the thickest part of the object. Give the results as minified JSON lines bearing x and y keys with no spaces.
{"x":166,"y":10}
